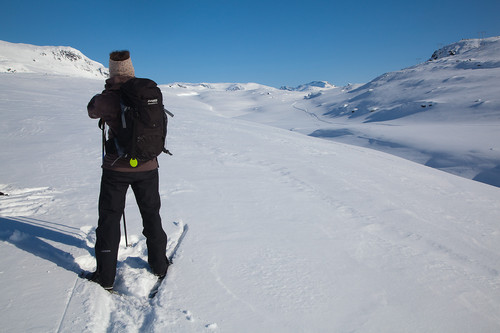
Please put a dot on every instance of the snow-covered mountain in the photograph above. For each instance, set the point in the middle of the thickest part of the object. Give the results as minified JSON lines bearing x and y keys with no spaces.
{"x":211,"y":87}
{"x":62,"y":60}
{"x":287,"y":232}
{"x":444,"y":113}
{"x":311,"y":86}
{"x":453,"y":98}
{"x":459,"y":81}
{"x":467,"y":50}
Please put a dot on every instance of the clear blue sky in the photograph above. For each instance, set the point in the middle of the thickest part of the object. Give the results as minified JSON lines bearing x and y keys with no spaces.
{"x":272,"y":42}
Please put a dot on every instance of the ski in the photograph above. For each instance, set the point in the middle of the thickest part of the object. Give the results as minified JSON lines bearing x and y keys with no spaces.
{"x":156,"y":287}
{"x":89,"y":276}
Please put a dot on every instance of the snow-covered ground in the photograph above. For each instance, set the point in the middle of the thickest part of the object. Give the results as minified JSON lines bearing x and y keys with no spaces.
{"x":287,"y":232}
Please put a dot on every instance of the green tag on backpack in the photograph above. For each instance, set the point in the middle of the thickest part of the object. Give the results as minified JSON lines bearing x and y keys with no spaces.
{"x":133,"y":162}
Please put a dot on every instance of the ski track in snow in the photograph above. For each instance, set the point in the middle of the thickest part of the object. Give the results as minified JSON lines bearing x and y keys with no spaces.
{"x":131,"y":309}
{"x":25,"y":201}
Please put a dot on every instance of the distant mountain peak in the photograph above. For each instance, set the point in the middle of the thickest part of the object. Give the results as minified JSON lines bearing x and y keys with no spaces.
{"x":463,"y":46}
{"x":59,"y":60}
{"x":314,"y":85}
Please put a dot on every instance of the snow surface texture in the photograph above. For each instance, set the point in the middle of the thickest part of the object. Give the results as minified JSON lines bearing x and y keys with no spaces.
{"x":288,"y":232}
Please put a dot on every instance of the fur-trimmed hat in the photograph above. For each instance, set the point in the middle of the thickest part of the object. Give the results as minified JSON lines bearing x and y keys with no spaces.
{"x":120,"y":64}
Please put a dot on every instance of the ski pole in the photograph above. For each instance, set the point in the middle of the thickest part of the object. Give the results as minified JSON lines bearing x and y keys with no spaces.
{"x":102,"y":126}
{"x":125,"y":228}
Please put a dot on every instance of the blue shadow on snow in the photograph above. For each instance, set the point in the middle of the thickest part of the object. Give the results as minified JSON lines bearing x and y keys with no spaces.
{"x":31,"y":235}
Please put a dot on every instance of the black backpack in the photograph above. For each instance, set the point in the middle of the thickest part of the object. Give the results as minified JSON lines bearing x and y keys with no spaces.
{"x":143,"y":129}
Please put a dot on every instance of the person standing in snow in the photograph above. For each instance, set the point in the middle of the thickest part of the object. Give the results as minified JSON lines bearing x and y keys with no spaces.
{"x":117,"y":176}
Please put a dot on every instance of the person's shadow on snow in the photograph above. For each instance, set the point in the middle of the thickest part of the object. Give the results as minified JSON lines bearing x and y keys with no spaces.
{"x":32,"y":235}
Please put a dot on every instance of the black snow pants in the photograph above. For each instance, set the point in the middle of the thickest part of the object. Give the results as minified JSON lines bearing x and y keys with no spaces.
{"x":114,"y":187}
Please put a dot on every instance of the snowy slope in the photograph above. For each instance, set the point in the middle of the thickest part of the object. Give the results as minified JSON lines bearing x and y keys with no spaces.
{"x":444,"y":113}
{"x":62,"y":60}
{"x":288,"y":233}
{"x":456,"y":82}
